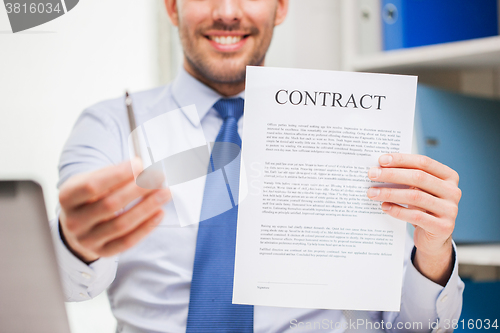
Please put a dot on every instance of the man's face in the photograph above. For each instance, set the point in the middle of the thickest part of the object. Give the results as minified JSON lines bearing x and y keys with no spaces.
{"x":221,"y":37}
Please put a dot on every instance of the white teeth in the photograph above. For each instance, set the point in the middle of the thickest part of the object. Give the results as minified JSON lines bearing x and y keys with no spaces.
{"x":226,"y":40}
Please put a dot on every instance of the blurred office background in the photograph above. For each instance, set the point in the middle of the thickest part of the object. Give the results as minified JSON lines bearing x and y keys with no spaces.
{"x":50,"y":73}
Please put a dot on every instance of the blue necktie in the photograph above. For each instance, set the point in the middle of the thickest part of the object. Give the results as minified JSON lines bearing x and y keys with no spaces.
{"x":210,"y":304}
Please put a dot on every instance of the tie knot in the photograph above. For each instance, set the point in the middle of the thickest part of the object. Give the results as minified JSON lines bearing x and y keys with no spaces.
{"x":230,"y":107}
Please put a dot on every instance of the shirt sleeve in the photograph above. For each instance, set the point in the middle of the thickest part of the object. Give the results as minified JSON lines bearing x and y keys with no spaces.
{"x":94,"y":143}
{"x":425,"y":305}
{"x":81,"y":281}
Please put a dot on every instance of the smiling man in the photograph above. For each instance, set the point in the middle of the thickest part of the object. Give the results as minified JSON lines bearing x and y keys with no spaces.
{"x":180,"y":279}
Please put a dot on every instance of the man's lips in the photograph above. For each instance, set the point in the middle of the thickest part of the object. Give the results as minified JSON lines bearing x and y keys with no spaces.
{"x":227,"y":42}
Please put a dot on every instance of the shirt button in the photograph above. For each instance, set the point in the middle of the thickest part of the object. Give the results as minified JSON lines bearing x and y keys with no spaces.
{"x":86,"y":275}
{"x":444,"y":298}
{"x":439,"y":331}
{"x":83,"y":295}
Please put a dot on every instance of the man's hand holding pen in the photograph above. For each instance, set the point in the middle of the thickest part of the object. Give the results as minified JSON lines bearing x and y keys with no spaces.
{"x":92,"y":220}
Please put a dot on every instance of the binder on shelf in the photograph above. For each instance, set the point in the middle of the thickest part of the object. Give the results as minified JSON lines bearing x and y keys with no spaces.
{"x":411,"y":23}
{"x":369,"y":26}
{"x":463,"y":133}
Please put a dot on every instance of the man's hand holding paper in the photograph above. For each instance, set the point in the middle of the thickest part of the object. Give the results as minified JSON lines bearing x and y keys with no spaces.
{"x":432,"y":199}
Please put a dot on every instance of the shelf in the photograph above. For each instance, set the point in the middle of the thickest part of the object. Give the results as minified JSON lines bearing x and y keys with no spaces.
{"x":487,"y":254}
{"x":473,"y":53}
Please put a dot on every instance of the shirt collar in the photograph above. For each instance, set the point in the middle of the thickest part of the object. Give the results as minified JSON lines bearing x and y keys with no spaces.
{"x":186,"y":90}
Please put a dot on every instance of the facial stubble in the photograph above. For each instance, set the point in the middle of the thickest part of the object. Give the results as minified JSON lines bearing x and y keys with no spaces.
{"x":211,"y":73}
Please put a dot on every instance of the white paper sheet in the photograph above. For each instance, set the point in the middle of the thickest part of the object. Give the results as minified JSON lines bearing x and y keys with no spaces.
{"x":308,"y":236}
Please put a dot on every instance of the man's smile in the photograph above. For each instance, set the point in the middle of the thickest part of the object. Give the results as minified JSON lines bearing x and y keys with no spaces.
{"x":227,"y":41}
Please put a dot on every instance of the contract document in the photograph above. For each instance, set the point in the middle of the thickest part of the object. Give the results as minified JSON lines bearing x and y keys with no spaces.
{"x":308,"y":236}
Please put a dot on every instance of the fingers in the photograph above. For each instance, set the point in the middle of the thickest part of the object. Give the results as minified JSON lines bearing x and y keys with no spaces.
{"x":132,"y":238}
{"x":424,"y":163}
{"x":432,"y":197}
{"x":91,"y":186}
{"x":416,"y":178}
{"x":125,"y":223}
{"x":107,"y":207}
{"x":431,"y":224}
{"x":416,"y":199}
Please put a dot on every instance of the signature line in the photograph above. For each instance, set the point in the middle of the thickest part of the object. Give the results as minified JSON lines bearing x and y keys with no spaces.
{"x":308,"y":284}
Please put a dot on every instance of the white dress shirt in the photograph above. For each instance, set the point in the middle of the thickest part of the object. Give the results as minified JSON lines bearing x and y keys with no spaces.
{"x":148,"y":285}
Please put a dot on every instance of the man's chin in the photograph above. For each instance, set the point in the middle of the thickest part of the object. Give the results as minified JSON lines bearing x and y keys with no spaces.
{"x":228,"y":77}
{"x":221,"y":72}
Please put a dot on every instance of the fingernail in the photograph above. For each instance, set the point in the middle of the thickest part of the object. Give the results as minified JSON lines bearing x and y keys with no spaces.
{"x":162,"y":196}
{"x":385,"y":159}
{"x":158,"y":219}
{"x":155,"y":221}
{"x":373,"y":192}
{"x":136,"y":163}
{"x":386,"y":207}
{"x":374,"y":172}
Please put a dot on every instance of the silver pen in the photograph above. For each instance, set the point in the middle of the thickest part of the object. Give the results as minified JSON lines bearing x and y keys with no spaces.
{"x":133,"y":125}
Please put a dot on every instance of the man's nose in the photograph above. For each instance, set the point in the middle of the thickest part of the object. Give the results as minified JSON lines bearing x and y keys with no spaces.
{"x":227,"y":11}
